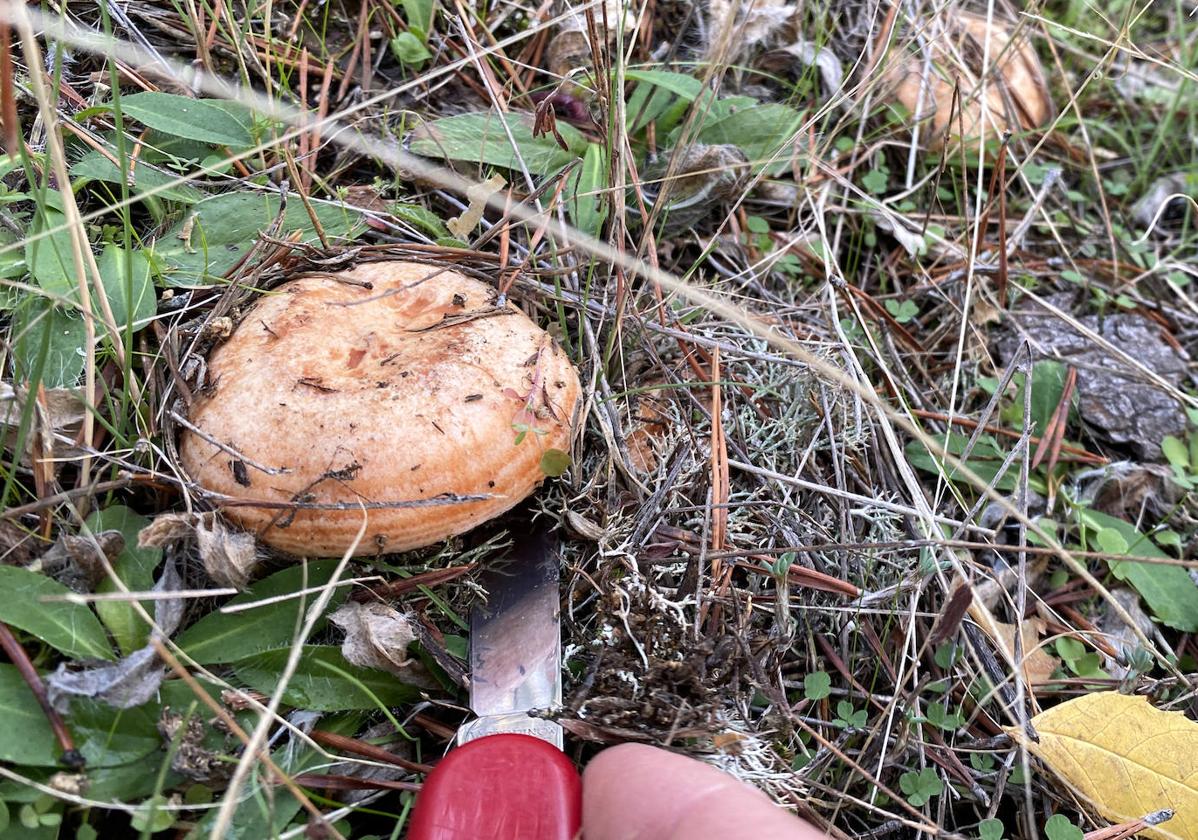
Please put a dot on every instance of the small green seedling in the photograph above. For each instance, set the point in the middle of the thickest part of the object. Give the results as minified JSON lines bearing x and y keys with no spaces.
{"x":940,"y":716}
{"x":990,"y":830}
{"x":902,"y":311}
{"x":1183,"y":460}
{"x":1077,"y":659}
{"x":921,"y":787}
{"x":848,"y":717}
{"x":1059,"y":827}
{"x":982,"y":762}
{"x":817,"y":685}
{"x":947,"y":655}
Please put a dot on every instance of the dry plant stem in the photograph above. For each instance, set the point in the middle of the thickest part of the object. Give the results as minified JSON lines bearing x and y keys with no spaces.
{"x":714,"y":69}
{"x":1050,"y":445}
{"x":334,"y":782}
{"x":1082,"y":456}
{"x":150,"y":595}
{"x":353,"y":745}
{"x":436,"y":174}
{"x":718,"y":500}
{"x":493,"y":92}
{"x":401,"y":586}
{"x":74,"y":799}
{"x":229,"y":799}
{"x":1021,"y":687}
{"x":229,"y":609}
{"x":84,"y":259}
{"x":976,"y":234}
{"x":919,"y":821}
{"x":79,"y":244}
{"x":914,"y":545}
{"x":66,"y":496}
{"x":228,"y":450}
{"x":156,"y":639}
{"x":19,"y":658}
{"x":8,"y":101}
{"x":229,"y":721}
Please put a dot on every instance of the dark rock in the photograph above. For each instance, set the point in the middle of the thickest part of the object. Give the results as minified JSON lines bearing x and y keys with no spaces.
{"x":1115,"y":399}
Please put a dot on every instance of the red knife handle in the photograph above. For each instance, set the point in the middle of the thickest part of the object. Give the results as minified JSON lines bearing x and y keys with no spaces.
{"x":500,"y":787}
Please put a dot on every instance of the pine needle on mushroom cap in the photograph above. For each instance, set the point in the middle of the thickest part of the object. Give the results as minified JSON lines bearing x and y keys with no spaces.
{"x":391,"y":383}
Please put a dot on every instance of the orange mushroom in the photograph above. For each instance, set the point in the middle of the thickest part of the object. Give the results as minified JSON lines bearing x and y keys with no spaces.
{"x":359,"y":393}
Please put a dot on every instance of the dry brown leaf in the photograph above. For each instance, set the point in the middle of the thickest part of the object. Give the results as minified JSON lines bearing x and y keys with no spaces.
{"x":58,"y":417}
{"x":650,"y":422}
{"x":580,"y":525}
{"x":1038,"y":666}
{"x":1120,"y":635}
{"x":750,"y":23}
{"x":73,"y":561}
{"x":729,"y":742}
{"x":1015,"y":98}
{"x":1125,"y":757}
{"x":376,"y":636}
{"x":165,"y":530}
{"x":230,"y":557}
{"x":983,"y":312}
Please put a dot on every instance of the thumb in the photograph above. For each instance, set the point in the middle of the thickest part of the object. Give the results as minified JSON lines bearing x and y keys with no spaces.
{"x":636,"y":792}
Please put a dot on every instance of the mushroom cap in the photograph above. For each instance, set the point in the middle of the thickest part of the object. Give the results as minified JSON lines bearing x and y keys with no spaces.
{"x":388,"y":383}
{"x":1016,"y":97}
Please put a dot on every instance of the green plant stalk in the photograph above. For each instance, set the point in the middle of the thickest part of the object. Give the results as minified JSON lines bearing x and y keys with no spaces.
{"x":26,"y":425}
{"x":122,"y":150}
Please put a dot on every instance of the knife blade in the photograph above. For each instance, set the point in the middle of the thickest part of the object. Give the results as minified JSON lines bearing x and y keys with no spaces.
{"x":515,"y":644}
{"x":508,"y":778}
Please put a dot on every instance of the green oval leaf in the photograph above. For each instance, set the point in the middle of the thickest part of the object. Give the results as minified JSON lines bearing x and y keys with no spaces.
{"x":1111,"y":541}
{"x":70,"y":628}
{"x":128,"y":286}
{"x":1168,"y":590}
{"x":110,"y":737}
{"x":26,"y":737}
{"x":94,"y":166}
{"x":409,"y":49}
{"x":135,"y":566}
{"x":182,"y":116}
{"x":587,"y":202}
{"x":1177,"y":453}
{"x":49,"y":344}
{"x":218,"y":232}
{"x":554,"y":462}
{"x":227,"y":637}
{"x":324,"y":681}
{"x":51,"y":258}
{"x":481,"y":138}
{"x":760,"y":131}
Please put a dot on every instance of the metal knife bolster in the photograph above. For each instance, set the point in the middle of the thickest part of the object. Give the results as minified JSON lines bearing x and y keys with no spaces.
{"x":515,"y":644}
{"x":518,"y":723}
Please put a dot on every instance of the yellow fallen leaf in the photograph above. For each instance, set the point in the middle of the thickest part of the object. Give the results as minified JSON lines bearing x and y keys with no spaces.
{"x":1125,"y":757}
